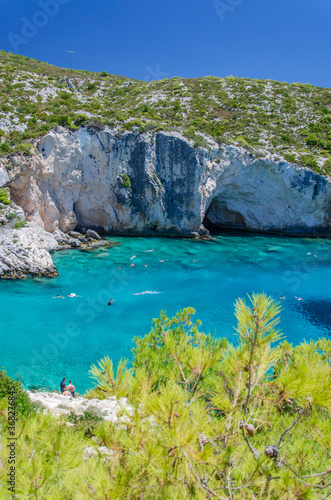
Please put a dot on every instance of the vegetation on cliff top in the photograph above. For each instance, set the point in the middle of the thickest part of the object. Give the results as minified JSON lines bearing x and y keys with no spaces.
{"x":288,"y":120}
{"x":207,"y":420}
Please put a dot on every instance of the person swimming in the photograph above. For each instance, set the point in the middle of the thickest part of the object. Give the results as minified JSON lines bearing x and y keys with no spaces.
{"x":110,"y":302}
{"x":59,"y":297}
{"x":73,"y":295}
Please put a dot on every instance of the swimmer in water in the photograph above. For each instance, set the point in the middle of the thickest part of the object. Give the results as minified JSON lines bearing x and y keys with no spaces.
{"x":149,"y":250}
{"x":59,"y":297}
{"x":132,"y":265}
{"x":282,"y":297}
{"x":161,"y":261}
{"x":133,"y":257}
{"x":298,"y":298}
{"x":145,"y":265}
{"x":73,"y":295}
{"x":118,"y":269}
{"x":110,"y":302}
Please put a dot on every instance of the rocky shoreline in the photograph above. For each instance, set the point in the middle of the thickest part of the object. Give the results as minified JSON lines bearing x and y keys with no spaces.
{"x":27,"y":251}
{"x":110,"y":409}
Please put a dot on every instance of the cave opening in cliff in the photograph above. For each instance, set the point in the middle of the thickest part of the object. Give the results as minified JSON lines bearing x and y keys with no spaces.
{"x":219,"y":217}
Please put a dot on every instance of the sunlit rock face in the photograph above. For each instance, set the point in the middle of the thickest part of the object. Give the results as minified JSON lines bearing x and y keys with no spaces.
{"x":160,"y":184}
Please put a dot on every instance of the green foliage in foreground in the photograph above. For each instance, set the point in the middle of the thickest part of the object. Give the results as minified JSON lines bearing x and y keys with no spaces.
{"x":207,"y":420}
{"x":23,"y":404}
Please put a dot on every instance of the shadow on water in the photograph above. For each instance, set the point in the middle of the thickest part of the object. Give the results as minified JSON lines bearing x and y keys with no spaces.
{"x":317,"y":312}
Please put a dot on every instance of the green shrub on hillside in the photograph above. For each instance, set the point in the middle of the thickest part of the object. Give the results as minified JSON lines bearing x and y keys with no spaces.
{"x":126,"y":181}
{"x":327,"y":167}
{"x":9,"y":386}
{"x":20,"y":224}
{"x":4,"y":147}
{"x":4,"y":196}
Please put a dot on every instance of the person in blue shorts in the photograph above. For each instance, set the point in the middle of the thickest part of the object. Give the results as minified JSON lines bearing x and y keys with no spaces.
{"x":71,"y":388}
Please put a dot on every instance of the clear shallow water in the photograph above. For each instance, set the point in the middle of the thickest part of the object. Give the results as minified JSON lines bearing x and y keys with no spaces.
{"x":45,"y":339}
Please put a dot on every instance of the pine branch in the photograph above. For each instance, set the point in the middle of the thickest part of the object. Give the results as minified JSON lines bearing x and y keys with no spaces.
{"x":290,"y":427}
{"x":202,"y":481}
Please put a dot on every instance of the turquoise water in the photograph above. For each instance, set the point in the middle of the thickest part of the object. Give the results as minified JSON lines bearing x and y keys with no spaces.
{"x":45,"y":339}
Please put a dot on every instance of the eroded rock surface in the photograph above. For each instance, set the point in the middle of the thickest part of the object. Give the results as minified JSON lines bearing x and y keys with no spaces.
{"x":159,"y":184}
{"x":26,"y":251}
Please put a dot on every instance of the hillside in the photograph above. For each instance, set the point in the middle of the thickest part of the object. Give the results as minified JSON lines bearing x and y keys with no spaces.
{"x":291,"y":121}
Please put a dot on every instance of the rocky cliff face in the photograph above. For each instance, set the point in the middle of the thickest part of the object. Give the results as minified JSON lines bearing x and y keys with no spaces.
{"x":26,"y":251}
{"x":158,"y":183}
{"x":150,"y":184}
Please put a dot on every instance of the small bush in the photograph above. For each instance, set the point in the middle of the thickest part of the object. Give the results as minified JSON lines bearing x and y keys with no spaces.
{"x":327,"y":167}
{"x":23,"y":405}
{"x":290,"y":157}
{"x":126,"y":181}
{"x":11,"y":216}
{"x":4,"y":147}
{"x":308,"y":161}
{"x":20,"y":224}
{"x":4,"y":196}
{"x":91,"y":86}
{"x":64,"y":121}
{"x":80,"y":120}
{"x":25,"y":149}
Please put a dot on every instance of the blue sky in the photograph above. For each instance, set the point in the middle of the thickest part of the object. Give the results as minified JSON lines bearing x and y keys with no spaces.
{"x":286,"y":40}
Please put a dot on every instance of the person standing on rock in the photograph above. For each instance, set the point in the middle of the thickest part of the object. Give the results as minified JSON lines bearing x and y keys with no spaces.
{"x":71,"y":388}
{"x":63,"y":385}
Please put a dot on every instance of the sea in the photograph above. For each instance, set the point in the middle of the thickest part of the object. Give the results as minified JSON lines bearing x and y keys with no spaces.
{"x":44,"y":339}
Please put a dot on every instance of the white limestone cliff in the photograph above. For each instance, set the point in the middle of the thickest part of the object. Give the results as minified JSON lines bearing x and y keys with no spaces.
{"x":128,"y":183}
{"x":77,"y":180}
